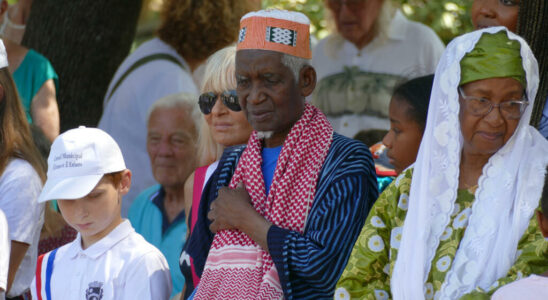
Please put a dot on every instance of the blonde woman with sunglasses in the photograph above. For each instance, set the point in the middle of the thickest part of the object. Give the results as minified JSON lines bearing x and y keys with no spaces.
{"x":224,"y":124}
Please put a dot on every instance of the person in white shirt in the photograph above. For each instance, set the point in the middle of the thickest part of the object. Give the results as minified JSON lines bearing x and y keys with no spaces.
{"x":373,"y":49}
{"x":190,"y":31}
{"x":21,"y":176}
{"x":4,"y":255}
{"x":108,"y":259}
{"x":534,"y":287}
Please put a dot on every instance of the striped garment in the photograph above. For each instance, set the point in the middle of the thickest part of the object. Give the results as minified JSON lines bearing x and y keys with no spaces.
{"x":44,"y":270}
{"x":308,"y":264}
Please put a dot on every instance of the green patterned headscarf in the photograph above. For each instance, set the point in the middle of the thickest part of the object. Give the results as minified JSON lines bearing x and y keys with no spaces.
{"x":495,"y":55}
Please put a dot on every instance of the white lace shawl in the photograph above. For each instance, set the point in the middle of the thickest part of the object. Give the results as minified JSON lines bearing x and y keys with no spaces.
{"x":509,"y":188}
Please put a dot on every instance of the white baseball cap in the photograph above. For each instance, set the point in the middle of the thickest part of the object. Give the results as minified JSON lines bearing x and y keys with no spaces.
{"x":77,"y":161}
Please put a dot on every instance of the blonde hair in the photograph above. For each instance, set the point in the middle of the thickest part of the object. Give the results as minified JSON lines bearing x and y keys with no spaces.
{"x":218,"y":77}
{"x":381,"y":27}
{"x":15,"y":135}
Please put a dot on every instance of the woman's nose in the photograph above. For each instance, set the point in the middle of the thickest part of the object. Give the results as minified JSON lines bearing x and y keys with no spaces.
{"x":219,"y":108}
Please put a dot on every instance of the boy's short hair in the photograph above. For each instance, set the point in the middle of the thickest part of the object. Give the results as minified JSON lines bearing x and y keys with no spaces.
{"x":78,"y":159}
{"x":115,"y":177}
{"x":544,"y":197}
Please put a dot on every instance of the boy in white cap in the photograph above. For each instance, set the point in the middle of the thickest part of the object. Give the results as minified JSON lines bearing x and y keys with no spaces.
{"x":108,"y":259}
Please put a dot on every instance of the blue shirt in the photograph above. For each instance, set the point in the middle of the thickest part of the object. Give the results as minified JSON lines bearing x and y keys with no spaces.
{"x":543,"y":126}
{"x":270,"y":158}
{"x":146,"y":214}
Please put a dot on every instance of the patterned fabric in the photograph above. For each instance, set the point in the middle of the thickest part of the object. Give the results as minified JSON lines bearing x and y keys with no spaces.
{"x":308,"y":264}
{"x":44,"y":270}
{"x":508,"y":189}
{"x":241,"y":36}
{"x":371,"y":264}
{"x":357,"y":91}
{"x":281,"y":36}
{"x":237,"y":267}
{"x":276,"y":30}
{"x":66,"y":235}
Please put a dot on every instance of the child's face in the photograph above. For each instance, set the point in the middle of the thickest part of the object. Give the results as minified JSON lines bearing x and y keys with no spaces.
{"x":405,"y":135}
{"x":98,"y":213}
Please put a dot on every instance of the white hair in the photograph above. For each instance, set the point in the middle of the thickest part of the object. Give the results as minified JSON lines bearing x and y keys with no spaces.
{"x":381,"y":27}
{"x":295,"y":64}
{"x":186,"y":101}
{"x":264,"y":135}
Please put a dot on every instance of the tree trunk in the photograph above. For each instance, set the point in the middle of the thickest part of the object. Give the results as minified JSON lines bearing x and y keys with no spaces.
{"x":85,"y":41}
{"x":533,"y":27}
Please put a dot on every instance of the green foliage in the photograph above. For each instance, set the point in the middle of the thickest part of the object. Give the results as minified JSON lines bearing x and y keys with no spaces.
{"x":313,"y":9}
{"x":448,"y":18}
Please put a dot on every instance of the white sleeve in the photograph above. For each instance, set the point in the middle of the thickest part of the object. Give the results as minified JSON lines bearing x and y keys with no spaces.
{"x":164,"y":78}
{"x":20,"y":187}
{"x":149,"y":279}
{"x":33,"y":288}
{"x":4,"y":251}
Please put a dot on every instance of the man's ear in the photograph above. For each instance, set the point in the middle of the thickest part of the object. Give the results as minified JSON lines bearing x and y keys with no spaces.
{"x":307,"y":80}
{"x":125,"y":182}
{"x":542,"y":223}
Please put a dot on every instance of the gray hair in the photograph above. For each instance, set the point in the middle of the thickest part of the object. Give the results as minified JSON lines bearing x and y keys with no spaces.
{"x":335,"y":40}
{"x":186,"y":101}
{"x":295,"y":64}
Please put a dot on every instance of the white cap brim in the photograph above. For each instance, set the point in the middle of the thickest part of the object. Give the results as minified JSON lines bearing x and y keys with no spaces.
{"x":74,"y":187}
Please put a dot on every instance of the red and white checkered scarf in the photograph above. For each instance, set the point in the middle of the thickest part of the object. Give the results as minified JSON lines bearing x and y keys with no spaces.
{"x":237,"y":267}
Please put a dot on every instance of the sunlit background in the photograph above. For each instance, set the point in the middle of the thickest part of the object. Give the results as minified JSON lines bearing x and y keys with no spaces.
{"x":448,"y":18}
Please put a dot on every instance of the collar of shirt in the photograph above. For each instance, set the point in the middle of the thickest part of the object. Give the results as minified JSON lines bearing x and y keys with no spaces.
{"x":158,"y":200}
{"x":397,"y":31}
{"x":398,"y":26}
{"x":103,"y":245}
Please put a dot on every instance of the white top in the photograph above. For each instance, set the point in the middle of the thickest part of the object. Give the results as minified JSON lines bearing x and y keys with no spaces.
{"x":124,"y":115}
{"x":411,"y":50}
{"x":533,"y":287}
{"x":4,"y":252}
{"x":20,"y":187}
{"x":122,"y":265}
{"x":508,"y":192}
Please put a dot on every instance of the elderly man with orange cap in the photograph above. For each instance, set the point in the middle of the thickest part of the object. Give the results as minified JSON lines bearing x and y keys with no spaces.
{"x":279,"y":216}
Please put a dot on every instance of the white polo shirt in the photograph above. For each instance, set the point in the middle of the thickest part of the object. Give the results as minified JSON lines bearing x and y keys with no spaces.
{"x":4,"y":252}
{"x":122,"y":265}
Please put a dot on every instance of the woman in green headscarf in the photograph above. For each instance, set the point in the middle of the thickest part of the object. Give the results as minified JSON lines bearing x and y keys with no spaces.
{"x":459,"y":222}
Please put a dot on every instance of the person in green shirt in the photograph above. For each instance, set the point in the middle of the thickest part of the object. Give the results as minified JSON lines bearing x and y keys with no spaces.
{"x":460,"y":222}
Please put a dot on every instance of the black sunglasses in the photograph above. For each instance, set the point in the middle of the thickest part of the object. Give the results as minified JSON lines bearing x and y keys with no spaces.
{"x":229,"y":98}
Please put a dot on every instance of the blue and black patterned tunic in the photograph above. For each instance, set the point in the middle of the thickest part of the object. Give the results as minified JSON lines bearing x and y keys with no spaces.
{"x":308,"y":264}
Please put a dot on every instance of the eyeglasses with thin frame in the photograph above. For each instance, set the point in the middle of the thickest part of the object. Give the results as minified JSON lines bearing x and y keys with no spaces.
{"x":206,"y":101}
{"x":351,"y":4}
{"x":509,"y":109}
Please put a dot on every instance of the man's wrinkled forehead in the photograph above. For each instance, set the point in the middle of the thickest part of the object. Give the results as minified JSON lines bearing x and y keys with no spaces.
{"x":252,"y":59}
